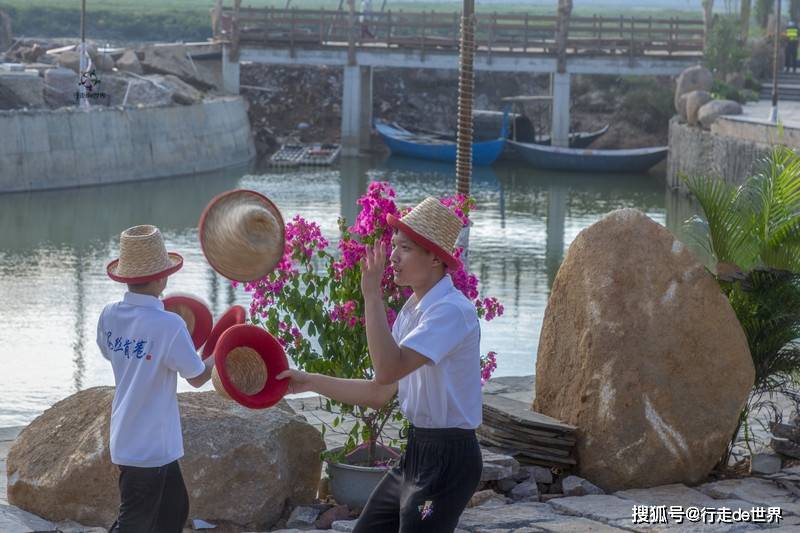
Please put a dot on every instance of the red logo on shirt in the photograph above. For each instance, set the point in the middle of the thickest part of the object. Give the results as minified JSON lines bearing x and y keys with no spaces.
{"x":148,"y":357}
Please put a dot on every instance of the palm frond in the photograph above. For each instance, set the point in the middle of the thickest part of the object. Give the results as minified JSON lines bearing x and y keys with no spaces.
{"x":728,"y":223}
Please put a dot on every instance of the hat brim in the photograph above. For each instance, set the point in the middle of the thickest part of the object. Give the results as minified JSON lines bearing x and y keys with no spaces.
{"x":232,"y":317}
{"x":175,"y":259}
{"x":271,"y":353}
{"x":447,"y":258}
{"x":201,"y":312}
{"x":214,"y":204}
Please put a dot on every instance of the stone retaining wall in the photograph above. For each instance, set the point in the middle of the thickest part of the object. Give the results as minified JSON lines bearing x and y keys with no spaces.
{"x":71,"y":147}
{"x":696,"y":152}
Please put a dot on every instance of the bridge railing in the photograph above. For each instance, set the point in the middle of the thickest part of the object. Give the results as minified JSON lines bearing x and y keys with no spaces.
{"x":495,"y":32}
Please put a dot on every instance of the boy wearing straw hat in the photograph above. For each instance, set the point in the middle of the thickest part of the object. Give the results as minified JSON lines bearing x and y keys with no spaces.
{"x":431,"y":359}
{"x":147,"y":347}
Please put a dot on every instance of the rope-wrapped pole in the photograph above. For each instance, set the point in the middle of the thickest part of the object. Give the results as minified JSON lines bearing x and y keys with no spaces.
{"x":466,"y":87}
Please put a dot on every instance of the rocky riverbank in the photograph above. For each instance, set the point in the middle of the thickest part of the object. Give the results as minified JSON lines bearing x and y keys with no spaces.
{"x":304,"y":103}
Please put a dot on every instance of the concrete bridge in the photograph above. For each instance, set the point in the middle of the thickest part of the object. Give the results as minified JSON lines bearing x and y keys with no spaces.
{"x":625,"y":46}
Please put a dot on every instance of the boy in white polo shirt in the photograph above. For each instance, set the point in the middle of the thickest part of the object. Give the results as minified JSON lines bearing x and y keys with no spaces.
{"x":147,"y":347}
{"x":431,"y":359}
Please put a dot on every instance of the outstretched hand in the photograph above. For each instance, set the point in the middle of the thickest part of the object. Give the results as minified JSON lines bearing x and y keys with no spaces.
{"x":299,"y":381}
{"x":372,"y":268}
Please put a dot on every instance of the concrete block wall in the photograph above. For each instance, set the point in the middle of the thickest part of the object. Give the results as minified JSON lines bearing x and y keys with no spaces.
{"x":70,"y":147}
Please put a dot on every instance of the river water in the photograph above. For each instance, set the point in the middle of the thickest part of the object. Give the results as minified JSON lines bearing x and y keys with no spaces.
{"x":54,"y":246}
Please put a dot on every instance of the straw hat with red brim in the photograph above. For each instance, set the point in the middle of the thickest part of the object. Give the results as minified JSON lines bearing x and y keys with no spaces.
{"x":247,"y":360}
{"x":194,"y":312}
{"x":242,"y":235}
{"x":433,"y":226}
{"x":143,"y":257}
{"x":232,"y":317}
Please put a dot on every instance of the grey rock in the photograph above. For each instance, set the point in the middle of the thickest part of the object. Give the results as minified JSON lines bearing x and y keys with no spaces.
{"x":602,"y":508}
{"x":129,"y":62}
{"x":507,"y":517}
{"x":575,"y":525}
{"x":540,"y":474}
{"x":694,"y":101}
{"x":495,"y":472}
{"x":674,"y":494}
{"x":577,"y":486}
{"x":765,"y":463}
{"x":26,"y":86}
{"x":525,"y":491}
{"x":344,"y":525}
{"x":498,"y":466}
{"x":505,"y":485}
{"x":15,"y":520}
{"x":695,"y":78}
{"x":523,"y":474}
{"x":485,"y":497}
{"x":302,"y":516}
{"x":710,"y":112}
{"x":60,"y":86}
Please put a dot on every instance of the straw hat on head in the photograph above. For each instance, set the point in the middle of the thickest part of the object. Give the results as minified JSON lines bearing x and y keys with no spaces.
{"x":432,"y":226}
{"x":194,"y":312}
{"x":242,"y":235}
{"x":247,"y":361}
{"x":143,"y":257}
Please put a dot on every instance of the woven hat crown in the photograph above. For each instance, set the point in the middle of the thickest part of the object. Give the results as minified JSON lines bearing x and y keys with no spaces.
{"x":435,"y":222}
{"x":242,"y":235}
{"x":142,"y":252}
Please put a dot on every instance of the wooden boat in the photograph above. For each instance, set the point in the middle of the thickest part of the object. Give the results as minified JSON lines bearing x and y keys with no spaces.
{"x":438,"y":147}
{"x":579,"y":139}
{"x":584,"y":160}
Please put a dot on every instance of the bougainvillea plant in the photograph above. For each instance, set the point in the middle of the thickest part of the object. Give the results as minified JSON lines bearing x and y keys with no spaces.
{"x":312,"y":303}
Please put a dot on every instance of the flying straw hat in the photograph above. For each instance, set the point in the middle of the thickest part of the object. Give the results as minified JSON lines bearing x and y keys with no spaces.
{"x":233,"y":316}
{"x":242,"y":235}
{"x":432,"y":226}
{"x":247,"y":360}
{"x":142,"y":257}
{"x":194,"y":312}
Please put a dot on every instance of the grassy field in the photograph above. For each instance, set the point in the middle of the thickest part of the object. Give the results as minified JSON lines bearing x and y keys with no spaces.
{"x":174,"y":20}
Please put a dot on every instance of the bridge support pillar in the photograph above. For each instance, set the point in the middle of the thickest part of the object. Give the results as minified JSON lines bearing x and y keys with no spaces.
{"x":356,"y":110}
{"x":560,"y":119}
{"x":230,"y":72}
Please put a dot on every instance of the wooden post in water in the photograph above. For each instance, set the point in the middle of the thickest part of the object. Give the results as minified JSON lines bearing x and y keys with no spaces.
{"x":466,"y":86}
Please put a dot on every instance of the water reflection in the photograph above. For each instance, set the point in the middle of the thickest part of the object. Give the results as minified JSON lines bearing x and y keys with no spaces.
{"x":54,"y":247}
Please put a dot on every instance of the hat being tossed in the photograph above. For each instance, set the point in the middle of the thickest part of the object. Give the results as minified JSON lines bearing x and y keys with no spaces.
{"x":143,"y":257}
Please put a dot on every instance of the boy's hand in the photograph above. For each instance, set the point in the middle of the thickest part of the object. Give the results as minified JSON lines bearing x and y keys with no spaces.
{"x":372,"y":268}
{"x":299,"y":381}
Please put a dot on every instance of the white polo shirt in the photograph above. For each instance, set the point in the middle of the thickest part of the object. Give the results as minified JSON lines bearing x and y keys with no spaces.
{"x":147,"y":347}
{"x":443,"y":326}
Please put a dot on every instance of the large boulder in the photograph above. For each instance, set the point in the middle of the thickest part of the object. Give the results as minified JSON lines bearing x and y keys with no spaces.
{"x":175,"y":60}
{"x":694,"y":101}
{"x":710,"y":112}
{"x":129,"y":62}
{"x":27,"y":86}
{"x":695,"y":78}
{"x":60,"y":87}
{"x":241,"y":467}
{"x":643,"y":353}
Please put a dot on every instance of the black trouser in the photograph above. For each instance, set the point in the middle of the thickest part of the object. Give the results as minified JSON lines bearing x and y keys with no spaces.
{"x":427,"y":492}
{"x":791,"y":56}
{"x":152,"y":500}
